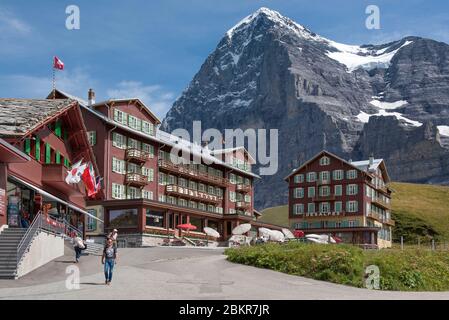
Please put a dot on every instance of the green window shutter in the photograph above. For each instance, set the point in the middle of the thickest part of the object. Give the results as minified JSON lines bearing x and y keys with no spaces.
{"x":27,"y":146}
{"x":47,"y":153}
{"x":58,"y":157}
{"x":58,"y":129}
{"x":38,"y":149}
{"x":66,"y":162}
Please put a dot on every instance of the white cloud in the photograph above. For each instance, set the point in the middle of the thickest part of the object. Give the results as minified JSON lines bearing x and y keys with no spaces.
{"x":154,"y":96}
{"x":11,"y":25}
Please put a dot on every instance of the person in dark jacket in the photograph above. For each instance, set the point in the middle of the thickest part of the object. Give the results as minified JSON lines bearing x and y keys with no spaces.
{"x":109,"y":259}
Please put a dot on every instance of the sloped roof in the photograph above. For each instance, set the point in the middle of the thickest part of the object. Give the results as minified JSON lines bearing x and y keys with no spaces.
{"x":362,"y":165}
{"x":19,"y":116}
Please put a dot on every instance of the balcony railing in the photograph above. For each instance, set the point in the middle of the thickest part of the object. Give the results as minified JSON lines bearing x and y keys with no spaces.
{"x":137,"y":155}
{"x":374,"y":216}
{"x":243,"y":188}
{"x":242,"y":205}
{"x":193,"y":194}
{"x":390,"y":222}
{"x":192,"y":173}
{"x":136,"y":179}
{"x":380,"y":202}
{"x":318,"y":198}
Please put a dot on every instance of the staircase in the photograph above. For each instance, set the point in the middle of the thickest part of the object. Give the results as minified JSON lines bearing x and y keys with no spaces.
{"x":9,"y":241}
{"x":95,"y":249}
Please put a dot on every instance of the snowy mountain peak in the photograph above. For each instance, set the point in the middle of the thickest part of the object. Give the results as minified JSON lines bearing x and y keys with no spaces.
{"x":271,"y":15}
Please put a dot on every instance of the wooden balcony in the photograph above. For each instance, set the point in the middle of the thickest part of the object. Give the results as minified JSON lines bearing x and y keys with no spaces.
{"x":390,"y":222}
{"x":192,"y":194}
{"x":242,"y":205}
{"x":381,"y":203}
{"x":244,"y":188}
{"x":374,"y":216}
{"x":137,"y":156}
{"x":330,"y":197}
{"x":136,"y":179}
{"x":187,"y":172}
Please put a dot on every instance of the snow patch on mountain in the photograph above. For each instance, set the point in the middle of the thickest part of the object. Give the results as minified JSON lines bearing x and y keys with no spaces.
{"x":356,"y":57}
{"x":388,"y":105}
{"x":364,"y":117}
{"x":443,"y":130}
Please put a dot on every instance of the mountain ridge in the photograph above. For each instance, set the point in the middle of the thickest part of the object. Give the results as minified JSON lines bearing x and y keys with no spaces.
{"x":270,"y":72}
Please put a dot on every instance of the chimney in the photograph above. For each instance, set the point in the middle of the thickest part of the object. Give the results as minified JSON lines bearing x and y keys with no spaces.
{"x":91,"y":97}
{"x":371,"y":160}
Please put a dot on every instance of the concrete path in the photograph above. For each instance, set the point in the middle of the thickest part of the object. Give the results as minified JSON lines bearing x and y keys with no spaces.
{"x":181,"y":273}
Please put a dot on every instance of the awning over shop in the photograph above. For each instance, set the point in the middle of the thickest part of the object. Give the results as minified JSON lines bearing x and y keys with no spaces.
{"x":49,"y":195}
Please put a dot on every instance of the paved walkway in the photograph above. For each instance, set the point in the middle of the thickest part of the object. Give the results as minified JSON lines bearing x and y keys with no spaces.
{"x":181,"y":273}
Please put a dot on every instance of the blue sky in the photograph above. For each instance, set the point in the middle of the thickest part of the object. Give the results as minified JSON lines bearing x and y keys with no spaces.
{"x":152,"y":49}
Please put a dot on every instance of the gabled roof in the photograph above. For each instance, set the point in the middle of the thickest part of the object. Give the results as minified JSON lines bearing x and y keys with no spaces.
{"x":362,"y":166}
{"x":143,"y":105}
{"x":229,"y":150}
{"x":20,"y":116}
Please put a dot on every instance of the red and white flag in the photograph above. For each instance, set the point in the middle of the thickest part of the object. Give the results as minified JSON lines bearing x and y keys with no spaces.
{"x":57,"y":63}
{"x":75,"y":173}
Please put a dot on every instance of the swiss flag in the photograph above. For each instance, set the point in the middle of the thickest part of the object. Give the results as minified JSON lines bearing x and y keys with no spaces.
{"x":57,"y":63}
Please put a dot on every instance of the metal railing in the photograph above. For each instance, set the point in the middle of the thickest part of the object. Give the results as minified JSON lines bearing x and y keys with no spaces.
{"x":28,"y":237}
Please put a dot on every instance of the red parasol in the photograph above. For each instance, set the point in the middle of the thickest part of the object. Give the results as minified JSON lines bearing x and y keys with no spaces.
{"x":186,"y":226}
{"x":298,"y":233}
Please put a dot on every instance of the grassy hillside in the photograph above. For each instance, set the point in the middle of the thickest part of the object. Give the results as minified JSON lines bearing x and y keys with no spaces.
{"x":419,"y":210}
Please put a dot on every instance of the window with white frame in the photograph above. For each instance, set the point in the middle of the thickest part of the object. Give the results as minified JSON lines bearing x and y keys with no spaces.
{"x":338,"y":174}
{"x":298,"y":208}
{"x":247,"y":198}
{"x":351,"y":189}
{"x":120,"y":116}
{"x":162,"y":198}
{"x":147,"y":127}
{"x":162,"y":178}
{"x":201,"y":206}
{"x":132,"y":193}
{"x":146,"y":194}
{"x":118,"y":166}
{"x":324,"y":207}
{"x":299,"y":178}
{"x":133,"y":144}
{"x":149,"y":172}
{"x":134,"y":122}
{"x":232,"y":196}
{"x":118,"y":140}
{"x":118,"y":191}
{"x":324,"y":161}
{"x":351,"y":174}
{"x":148,"y":148}
{"x":352,"y":206}
{"x":92,"y":137}
{"x":134,"y":168}
{"x":324,"y":176}
{"x":171,"y":179}
{"x":232,"y":178}
{"x":299,"y":193}
{"x":311,"y":176}
{"x":325,"y":191}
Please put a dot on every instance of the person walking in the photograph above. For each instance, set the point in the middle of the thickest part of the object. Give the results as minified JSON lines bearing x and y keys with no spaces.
{"x":113,"y":236}
{"x":79,"y":246}
{"x":109,"y":259}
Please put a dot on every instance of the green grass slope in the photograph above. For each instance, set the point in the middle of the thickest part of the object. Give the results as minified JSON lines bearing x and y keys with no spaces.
{"x":421,"y":211}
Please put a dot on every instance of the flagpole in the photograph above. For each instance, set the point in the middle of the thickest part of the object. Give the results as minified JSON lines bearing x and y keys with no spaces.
{"x":54,"y":82}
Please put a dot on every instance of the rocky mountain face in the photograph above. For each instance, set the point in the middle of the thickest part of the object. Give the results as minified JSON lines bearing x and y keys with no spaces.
{"x":389,"y":100}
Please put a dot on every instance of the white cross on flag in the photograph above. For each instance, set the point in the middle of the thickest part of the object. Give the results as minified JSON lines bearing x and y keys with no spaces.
{"x":57,"y":63}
